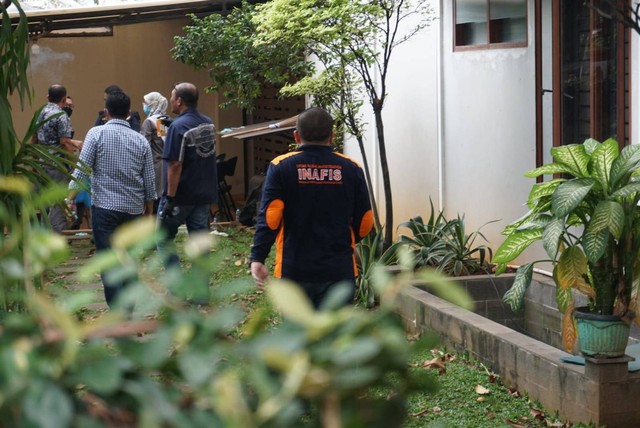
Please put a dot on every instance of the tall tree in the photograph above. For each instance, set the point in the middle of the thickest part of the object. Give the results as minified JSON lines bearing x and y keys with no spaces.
{"x":348,"y":46}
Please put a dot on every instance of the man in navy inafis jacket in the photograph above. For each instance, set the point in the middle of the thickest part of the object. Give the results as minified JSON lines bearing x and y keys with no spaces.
{"x":315,"y":207}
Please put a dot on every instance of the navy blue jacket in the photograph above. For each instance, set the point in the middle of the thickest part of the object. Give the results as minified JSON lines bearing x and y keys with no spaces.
{"x":315,"y":207}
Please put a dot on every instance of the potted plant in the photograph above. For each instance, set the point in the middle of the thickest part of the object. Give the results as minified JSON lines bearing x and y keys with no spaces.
{"x":589,"y":225}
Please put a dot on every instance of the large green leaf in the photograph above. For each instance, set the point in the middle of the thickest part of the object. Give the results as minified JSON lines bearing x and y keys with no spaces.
{"x":627,"y":191}
{"x":551,"y":237}
{"x":607,"y":215}
{"x":564,"y":298}
{"x":548,"y":169}
{"x":575,"y":157}
{"x":103,"y":375}
{"x":46,"y":405}
{"x":624,"y":165}
{"x":569,"y":194}
{"x":590,"y":145}
{"x":602,"y":159}
{"x":595,"y":243}
{"x":546,"y":188}
{"x":515,"y":244}
{"x":571,"y":267}
{"x":514,"y":297}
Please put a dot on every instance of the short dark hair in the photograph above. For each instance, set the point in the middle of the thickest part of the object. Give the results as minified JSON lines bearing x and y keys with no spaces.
{"x":57,"y":93}
{"x":314,"y":125}
{"x":112,"y":89}
{"x":188,"y":92}
{"x":118,"y":105}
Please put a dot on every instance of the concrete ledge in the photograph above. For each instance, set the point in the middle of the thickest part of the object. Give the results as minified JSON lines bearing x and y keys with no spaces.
{"x":527,"y":364}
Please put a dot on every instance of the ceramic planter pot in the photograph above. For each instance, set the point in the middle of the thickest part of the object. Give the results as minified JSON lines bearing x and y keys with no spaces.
{"x":601,"y":335}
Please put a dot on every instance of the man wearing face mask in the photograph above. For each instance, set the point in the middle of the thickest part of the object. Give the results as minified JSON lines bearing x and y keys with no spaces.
{"x":56,"y":132}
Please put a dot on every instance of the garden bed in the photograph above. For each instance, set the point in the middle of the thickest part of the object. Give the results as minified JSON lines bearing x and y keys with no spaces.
{"x":524,"y":349}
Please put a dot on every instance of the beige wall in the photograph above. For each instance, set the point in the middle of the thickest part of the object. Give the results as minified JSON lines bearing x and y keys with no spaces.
{"x":136,"y":58}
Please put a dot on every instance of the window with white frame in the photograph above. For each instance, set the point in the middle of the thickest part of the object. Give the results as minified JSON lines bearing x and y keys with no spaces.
{"x":486,"y":24}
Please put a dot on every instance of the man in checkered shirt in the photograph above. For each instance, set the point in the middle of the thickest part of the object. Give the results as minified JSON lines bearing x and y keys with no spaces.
{"x":123,"y":181}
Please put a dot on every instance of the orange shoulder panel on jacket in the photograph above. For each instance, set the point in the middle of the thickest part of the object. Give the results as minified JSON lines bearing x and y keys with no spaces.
{"x":347,"y":157}
{"x":366,"y":224}
{"x":274,"y":213}
{"x":280,"y":158}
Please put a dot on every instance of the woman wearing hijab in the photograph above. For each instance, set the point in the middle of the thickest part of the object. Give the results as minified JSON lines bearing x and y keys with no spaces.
{"x":154,"y":129}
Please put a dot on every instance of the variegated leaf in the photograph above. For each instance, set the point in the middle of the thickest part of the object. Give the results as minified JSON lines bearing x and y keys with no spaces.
{"x":570,"y":268}
{"x":590,"y":145}
{"x":595,"y":243}
{"x":601,"y":161}
{"x":551,"y":237}
{"x":569,"y":194}
{"x":587,"y":290}
{"x":548,"y":169}
{"x":516,"y":244}
{"x":540,"y":190}
{"x":564,"y":297}
{"x":574,"y":156}
{"x":536,"y":221}
{"x":500,"y":268}
{"x":625,"y":164}
{"x":514,"y":297}
{"x":569,"y":335}
{"x":607,"y":215}
{"x":628,"y":190}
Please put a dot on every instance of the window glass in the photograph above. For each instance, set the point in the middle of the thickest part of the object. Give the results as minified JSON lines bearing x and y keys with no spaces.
{"x":471,"y":22}
{"x":508,"y":21}
{"x":481,"y":23}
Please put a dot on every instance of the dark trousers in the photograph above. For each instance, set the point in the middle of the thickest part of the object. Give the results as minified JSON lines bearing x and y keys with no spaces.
{"x":104,"y":222}
{"x":318,"y":291}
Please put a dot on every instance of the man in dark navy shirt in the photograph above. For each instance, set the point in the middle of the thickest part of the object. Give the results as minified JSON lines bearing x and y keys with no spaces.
{"x":315,"y":207}
{"x":189,"y":171}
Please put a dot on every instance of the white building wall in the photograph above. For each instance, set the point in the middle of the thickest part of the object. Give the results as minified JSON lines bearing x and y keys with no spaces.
{"x":410,"y":118}
{"x":489,"y":130}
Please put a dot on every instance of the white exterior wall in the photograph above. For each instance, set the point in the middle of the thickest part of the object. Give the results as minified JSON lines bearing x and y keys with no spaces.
{"x":460,"y":129}
{"x":489,"y":129}
{"x":410,"y":116}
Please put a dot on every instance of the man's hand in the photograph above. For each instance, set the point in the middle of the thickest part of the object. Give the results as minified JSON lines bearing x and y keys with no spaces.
{"x":170,"y":208}
{"x":260,"y":274}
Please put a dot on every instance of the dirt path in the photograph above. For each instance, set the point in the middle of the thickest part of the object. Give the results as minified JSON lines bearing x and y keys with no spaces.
{"x":63,"y":280}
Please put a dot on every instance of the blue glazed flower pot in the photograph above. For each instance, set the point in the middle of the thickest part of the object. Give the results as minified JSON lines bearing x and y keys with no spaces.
{"x":601,"y":335}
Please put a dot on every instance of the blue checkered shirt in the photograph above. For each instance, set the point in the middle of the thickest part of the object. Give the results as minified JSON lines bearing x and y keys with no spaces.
{"x":122,"y":163}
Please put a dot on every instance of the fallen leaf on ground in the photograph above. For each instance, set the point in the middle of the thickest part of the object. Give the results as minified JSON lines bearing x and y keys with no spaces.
{"x":481,"y":390}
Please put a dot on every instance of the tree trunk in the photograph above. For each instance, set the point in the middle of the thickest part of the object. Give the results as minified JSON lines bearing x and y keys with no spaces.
{"x":386,"y":180}
{"x":365,"y":162}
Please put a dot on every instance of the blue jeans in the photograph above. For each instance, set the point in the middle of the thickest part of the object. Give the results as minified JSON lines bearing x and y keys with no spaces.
{"x":196,"y":217}
{"x":104,"y":223}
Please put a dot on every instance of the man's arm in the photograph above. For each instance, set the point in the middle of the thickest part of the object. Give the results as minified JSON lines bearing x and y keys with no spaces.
{"x":70,"y":145}
{"x":174,"y":171}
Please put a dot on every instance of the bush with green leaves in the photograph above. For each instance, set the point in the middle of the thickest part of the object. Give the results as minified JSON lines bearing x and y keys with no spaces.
{"x":443,"y":245}
{"x":192,"y":368}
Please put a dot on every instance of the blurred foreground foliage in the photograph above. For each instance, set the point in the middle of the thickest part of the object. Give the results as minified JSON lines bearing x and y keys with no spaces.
{"x":190,"y":367}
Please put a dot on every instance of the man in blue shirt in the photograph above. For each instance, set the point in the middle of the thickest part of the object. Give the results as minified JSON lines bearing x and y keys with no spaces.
{"x":189,"y":174}
{"x":123,"y":180}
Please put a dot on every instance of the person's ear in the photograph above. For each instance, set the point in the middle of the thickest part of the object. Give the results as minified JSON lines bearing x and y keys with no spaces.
{"x":331,"y":137}
{"x":296,"y":137}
